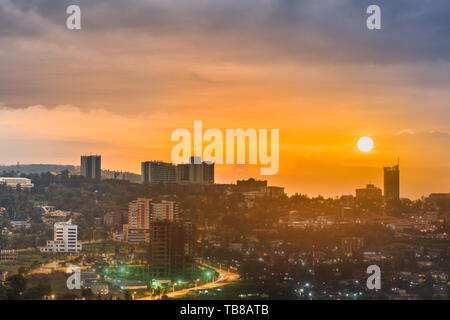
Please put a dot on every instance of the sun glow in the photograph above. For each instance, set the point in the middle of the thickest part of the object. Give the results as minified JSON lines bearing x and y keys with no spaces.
{"x":365,"y":144}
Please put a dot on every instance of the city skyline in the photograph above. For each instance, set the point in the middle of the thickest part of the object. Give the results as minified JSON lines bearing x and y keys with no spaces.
{"x":384,"y":183}
{"x":172,"y":63}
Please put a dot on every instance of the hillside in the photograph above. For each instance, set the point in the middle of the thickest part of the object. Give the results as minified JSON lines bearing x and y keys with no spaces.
{"x":37,"y":168}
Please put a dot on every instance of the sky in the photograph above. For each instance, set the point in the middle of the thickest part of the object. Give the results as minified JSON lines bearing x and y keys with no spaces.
{"x":138,"y":70}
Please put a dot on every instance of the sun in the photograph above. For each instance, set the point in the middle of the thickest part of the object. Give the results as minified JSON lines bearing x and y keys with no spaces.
{"x":365,"y":144}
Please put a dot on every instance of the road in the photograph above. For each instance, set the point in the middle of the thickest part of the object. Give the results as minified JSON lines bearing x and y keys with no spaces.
{"x":225,"y":277}
{"x":46,"y":268}
{"x":50,"y":266}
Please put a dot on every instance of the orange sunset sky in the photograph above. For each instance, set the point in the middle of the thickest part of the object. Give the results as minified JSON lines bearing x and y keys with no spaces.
{"x":141,"y":69}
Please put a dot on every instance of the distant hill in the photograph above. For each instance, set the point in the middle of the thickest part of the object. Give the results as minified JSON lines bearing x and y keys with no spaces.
{"x":56,"y":168}
{"x":37,"y":168}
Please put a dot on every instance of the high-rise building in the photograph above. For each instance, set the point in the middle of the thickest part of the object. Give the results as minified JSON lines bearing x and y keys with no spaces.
{"x":65,"y":238}
{"x":137,"y":230}
{"x":91,"y":167}
{"x":158,"y":172}
{"x":141,"y":213}
{"x":195,"y":172}
{"x":172,"y":249}
{"x":392,"y":183}
{"x":165,"y":210}
{"x":208,"y":172}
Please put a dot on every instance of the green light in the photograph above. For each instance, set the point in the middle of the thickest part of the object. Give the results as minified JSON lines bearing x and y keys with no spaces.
{"x":179,"y":281}
{"x":122,"y":269}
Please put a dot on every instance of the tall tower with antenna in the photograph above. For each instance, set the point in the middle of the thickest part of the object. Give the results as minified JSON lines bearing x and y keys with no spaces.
{"x":392,"y":182}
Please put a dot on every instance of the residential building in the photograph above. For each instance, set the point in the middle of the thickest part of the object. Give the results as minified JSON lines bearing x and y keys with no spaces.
{"x":141,"y":213}
{"x":165,"y":210}
{"x":91,"y":166}
{"x":154,"y":172}
{"x":196,"y":172}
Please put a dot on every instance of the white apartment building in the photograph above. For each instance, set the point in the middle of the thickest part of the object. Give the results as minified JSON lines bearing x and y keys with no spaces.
{"x":65,"y":238}
{"x":24,"y":183}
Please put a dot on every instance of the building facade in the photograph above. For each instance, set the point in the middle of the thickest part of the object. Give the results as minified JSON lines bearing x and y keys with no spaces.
{"x":392,"y":183}
{"x":22,"y":183}
{"x":154,"y":172}
{"x":196,"y":172}
{"x":254,"y":189}
{"x":141,"y":213}
{"x":251,"y":185}
{"x":91,"y":167}
{"x":172,"y":249}
{"x":370,"y":192}
{"x":65,"y":238}
{"x":165,"y":210}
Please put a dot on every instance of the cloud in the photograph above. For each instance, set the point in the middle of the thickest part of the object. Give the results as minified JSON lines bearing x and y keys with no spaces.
{"x":412,"y":29}
{"x":137,"y":52}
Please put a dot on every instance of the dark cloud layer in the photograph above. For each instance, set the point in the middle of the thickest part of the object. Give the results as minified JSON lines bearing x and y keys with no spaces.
{"x":43,"y":63}
{"x":412,"y":29}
